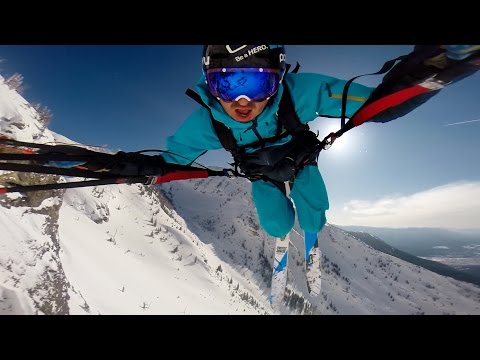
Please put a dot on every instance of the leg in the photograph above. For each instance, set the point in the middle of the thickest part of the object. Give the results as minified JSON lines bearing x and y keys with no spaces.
{"x":275,"y":210}
{"x":311,"y":200}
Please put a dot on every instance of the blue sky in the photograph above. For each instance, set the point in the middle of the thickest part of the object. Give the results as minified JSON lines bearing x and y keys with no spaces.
{"x":132,"y":98}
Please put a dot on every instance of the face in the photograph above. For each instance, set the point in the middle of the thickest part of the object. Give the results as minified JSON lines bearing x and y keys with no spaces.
{"x":243,"y":110}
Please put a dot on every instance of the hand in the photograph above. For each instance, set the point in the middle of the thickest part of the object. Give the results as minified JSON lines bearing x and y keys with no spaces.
{"x":460,"y":52}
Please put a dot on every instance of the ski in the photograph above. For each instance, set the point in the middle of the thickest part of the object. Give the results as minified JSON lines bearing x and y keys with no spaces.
{"x":280,"y":266}
{"x":313,"y":270}
{"x":279,"y":275}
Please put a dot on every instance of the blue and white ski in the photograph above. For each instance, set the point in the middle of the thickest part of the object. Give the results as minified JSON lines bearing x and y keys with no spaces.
{"x":279,"y":275}
{"x":313,"y":264}
{"x":280,"y":269}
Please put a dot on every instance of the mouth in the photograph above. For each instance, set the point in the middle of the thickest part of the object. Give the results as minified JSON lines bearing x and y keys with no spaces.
{"x":243,"y":113}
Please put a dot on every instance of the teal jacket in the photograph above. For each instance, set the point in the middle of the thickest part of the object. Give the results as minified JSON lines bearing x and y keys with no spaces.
{"x":313,"y":95}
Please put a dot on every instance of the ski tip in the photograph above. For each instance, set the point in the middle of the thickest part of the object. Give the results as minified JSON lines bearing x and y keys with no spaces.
{"x":270,"y":299}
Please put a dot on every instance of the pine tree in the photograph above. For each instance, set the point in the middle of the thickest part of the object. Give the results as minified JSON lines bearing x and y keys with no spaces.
{"x":15,"y":82}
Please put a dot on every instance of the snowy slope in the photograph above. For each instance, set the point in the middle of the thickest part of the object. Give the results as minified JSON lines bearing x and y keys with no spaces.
{"x":357,"y":279}
{"x":18,"y":119}
{"x":188,"y":247}
{"x":105,"y":250}
{"x":125,"y":252}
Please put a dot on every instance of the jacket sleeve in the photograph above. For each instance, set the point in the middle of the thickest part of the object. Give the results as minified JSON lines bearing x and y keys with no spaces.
{"x":194,"y":137}
{"x":317,"y":95}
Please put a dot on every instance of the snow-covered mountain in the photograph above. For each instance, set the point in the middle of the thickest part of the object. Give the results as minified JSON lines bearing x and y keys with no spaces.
{"x":188,"y":247}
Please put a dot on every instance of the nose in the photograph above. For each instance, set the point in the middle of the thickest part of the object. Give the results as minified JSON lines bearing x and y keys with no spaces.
{"x":243,"y":102}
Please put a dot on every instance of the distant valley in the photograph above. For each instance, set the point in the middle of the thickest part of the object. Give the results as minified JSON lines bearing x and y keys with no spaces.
{"x":459,"y":250}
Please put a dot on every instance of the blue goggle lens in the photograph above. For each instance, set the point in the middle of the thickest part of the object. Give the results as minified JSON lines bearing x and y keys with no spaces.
{"x":229,"y":84}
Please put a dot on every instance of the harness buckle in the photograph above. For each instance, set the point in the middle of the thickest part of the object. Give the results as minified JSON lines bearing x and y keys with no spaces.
{"x":230,"y":173}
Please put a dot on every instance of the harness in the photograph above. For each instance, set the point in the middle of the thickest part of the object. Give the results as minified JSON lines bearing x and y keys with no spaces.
{"x":272,"y":163}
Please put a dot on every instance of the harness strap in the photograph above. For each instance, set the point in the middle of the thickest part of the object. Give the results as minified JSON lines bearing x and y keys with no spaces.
{"x":305,"y":151}
{"x":385,"y":68}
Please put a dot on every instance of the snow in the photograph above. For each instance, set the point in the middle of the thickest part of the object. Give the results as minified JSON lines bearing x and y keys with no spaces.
{"x":188,"y":247}
{"x":146,"y":268}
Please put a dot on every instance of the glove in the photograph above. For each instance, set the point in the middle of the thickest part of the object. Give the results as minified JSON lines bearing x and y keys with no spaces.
{"x":460,"y":52}
{"x":136,"y":164}
{"x":129,"y":164}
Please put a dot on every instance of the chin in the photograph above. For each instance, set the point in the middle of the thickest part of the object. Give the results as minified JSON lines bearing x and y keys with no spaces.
{"x":243,"y":120}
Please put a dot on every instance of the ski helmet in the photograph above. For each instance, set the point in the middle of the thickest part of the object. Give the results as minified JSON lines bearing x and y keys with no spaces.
{"x":243,"y":56}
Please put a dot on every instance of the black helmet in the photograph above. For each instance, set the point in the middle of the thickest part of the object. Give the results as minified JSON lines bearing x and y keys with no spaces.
{"x":243,"y":56}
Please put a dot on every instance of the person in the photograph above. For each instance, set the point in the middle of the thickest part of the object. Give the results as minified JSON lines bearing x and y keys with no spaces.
{"x":241,"y":87}
{"x":258,"y":111}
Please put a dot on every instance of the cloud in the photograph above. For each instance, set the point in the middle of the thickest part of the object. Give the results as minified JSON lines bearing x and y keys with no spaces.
{"x":455,"y":205}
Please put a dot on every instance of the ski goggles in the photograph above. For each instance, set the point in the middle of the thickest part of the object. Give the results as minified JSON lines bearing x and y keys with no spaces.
{"x":255,"y":84}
